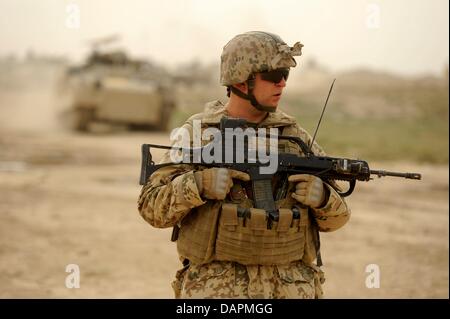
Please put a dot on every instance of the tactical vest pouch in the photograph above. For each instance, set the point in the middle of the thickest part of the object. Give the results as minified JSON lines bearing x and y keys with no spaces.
{"x":198,"y":232}
{"x":311,"y":244}
{"x":254,"y":243}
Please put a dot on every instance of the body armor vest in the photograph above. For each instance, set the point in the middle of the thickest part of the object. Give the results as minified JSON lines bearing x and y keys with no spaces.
{"x":221,"y":230}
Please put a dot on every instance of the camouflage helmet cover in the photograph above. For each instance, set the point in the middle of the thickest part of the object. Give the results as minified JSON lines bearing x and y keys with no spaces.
{"x":255,"y":51}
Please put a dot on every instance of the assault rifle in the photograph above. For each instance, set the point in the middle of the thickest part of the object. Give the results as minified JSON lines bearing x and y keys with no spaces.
{"x":329,"y":169}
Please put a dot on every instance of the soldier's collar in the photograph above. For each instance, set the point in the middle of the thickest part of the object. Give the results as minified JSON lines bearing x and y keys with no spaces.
{"x":215,"y":110}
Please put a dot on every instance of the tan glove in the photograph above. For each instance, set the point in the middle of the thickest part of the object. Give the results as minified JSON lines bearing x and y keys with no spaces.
{"x":215,"y":183}
{"x":309,"y":190}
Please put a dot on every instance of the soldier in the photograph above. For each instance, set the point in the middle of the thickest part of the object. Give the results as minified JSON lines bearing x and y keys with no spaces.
{"x":222,"y":254}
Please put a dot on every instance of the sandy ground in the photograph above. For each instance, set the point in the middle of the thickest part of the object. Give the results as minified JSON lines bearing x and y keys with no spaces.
{"x":70,"y":198}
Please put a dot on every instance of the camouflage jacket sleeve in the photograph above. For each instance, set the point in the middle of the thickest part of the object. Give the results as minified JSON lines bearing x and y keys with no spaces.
{"x":171,"y":192}
{"x":334,"y":213}
{"x":168,"y":196}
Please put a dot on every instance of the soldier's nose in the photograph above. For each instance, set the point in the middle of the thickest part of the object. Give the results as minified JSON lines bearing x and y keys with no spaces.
{"x":282,"y":83}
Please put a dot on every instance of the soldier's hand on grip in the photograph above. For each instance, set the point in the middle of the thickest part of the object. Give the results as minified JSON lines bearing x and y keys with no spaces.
{"x":309,"y":190}
{"x":215,"y":183}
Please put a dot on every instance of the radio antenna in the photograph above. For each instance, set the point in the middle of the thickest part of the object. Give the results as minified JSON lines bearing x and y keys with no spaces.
{"x":321,"y":115}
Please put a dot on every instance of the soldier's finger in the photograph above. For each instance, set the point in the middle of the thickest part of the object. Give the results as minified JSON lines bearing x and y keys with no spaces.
{"x":300,"y":199}
{"x":302,"y":185}
{"x":222,"y":172}
{"x":221,"y":184}
{"x":239,"y":175}
{"x":301,"y":192}
{"x":300,"y":178}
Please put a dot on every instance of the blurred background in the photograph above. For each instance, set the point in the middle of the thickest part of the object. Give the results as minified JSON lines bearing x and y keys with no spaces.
{"x":84,"y":83}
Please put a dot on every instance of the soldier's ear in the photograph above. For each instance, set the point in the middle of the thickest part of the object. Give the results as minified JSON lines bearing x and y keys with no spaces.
{"x":242,"y":87}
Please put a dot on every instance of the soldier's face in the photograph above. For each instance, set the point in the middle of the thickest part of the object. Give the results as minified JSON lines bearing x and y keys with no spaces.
{"x":268,"y":93}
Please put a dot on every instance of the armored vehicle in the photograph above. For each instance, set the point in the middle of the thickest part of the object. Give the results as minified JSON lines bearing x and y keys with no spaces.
{"x":112,"y":88}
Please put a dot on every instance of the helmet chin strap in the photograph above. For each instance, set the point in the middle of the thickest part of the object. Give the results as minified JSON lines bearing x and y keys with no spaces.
{"x":252,"y":98}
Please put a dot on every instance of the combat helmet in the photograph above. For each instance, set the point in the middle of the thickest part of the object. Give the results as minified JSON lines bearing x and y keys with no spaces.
{"x":252,"y":52}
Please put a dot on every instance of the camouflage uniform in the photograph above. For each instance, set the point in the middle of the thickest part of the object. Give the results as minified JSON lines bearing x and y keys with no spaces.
{"x":171,"y":197}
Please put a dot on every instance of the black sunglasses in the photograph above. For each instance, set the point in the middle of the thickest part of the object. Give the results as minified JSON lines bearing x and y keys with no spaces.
{"x":275,"y":76}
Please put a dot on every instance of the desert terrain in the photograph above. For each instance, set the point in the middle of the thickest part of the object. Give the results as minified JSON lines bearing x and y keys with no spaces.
{"x":71,"y":198}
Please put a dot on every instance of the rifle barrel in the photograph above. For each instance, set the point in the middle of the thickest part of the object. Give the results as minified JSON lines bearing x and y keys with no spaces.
{"x":381,"y":173}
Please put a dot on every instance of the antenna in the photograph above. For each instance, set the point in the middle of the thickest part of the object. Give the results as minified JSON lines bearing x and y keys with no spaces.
{"x":321,"y":115}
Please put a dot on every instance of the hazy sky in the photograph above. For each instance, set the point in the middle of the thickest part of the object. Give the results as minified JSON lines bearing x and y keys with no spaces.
{"x":404,"y":36}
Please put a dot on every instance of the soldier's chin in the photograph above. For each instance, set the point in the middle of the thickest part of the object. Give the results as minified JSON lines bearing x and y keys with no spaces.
{"x":274,"y":105}
{"x":276,"y":100}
